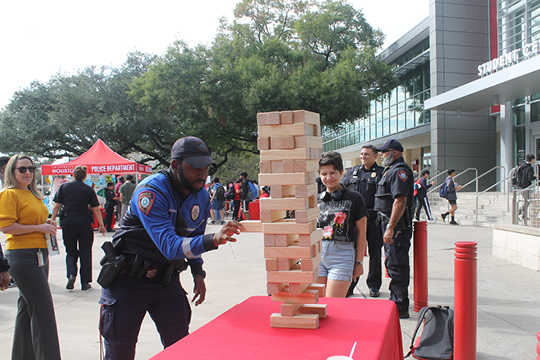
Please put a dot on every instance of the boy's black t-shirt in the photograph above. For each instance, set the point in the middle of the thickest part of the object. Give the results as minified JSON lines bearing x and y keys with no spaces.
{"x":338,"y":217}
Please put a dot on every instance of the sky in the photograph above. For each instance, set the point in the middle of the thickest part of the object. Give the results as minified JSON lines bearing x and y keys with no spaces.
{"x":41,"y":38}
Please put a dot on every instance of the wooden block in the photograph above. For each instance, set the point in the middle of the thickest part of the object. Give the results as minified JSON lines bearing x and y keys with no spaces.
{"x":294,"y":276}
{"x":308,"y":142}
{"x":307,"y":297}
{"x":277,"y":167}
{"x":283,"y":178}
{"x":284,"y":227}
{"x":287,"y":142}
{"x":302,"y":321}
{"x":273,"y":118}
{"x":269,"y":240}
{"x":312,"y":201}
{"x":314,"y":131}
{"x":284,"y":204}
{"x":304,"y":191}
{"x":304,"y":116}
{"x":310,"y":239}
{"x":306,"y":165}
{"x":275,"y":142}
{"x":262,"y":119}
{"x":298,"y":288}
{"x":269,"y":216}
{"x":318,"y":287}
{"x":285,"y":264}
{"x":251,"y":225}
{"x":283,"y":240}
{"x":274,"y":288}
{"x":286,"y":117}
{"x":271,"y":264}
{"x":312,"y":177}
{"x":263,"y":143}
{"x":319,"y":309}
{"x":294,"y":154}
{"x":287,"y":130}
{"x":265,"y":167}
{"x":310,"y":264}
{"x":276,"y":191}
{"x":290,"y":252}
{"x":289,"y":309}
{"x":304,"y":216}
{"x":288,"y":166}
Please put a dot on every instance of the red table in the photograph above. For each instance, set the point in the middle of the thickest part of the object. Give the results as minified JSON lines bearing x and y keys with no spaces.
{"x":95,"y":224}
{"x":244,"y":332}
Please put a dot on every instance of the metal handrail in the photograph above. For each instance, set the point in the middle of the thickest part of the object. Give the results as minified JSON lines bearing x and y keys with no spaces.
{"x":461,"y":173}
{"x":436,"y":176}
{"x":484,"y":174}
{"x":489,"y":188}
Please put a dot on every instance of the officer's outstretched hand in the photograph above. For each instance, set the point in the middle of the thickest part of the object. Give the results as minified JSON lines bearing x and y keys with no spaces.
{"x":227,"y":231}
{"x":199,"y":289}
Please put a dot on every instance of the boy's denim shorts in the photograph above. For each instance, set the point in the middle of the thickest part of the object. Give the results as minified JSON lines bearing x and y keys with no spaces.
{"x":337,"y":260}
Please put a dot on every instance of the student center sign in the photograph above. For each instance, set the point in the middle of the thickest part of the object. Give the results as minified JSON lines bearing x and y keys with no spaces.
{"x":509,"y":59}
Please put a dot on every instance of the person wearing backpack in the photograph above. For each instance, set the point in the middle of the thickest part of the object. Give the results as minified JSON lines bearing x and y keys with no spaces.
{"x":451,"y":188}
{"x":421,"y":195}
{"x":217,"y":199}
{"x":525,"y":177}
{"x":246,"y":194}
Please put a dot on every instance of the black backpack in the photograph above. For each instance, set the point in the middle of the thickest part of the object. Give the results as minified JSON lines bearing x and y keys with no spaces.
{"x":437,"y":339}
{"x":220,"y":193}
{"x":516,"y":177}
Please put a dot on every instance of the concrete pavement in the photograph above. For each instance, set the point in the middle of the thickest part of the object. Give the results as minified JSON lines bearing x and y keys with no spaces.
{"x":508,"y":296}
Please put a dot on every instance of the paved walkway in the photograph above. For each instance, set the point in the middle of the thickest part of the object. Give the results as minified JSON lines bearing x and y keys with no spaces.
{"x":508,"y":296}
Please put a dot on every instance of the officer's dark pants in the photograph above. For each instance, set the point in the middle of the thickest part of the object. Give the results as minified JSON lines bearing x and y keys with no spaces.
{"x":35,"y":335}
{"x":124,"y":305}
{"x":81,"y":234}
{"x":375,"y":243}
{"x":397,"y":265}
{"x":109,"y":211}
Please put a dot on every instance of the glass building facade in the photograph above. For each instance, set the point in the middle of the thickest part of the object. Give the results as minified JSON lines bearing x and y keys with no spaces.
{"x":400,"y":110}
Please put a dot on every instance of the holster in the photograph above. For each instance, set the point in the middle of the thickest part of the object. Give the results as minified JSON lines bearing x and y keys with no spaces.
{"x":110,"y":271}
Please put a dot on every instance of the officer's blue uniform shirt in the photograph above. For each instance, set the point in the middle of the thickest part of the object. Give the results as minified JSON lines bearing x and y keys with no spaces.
{"x":157,"y":211}
{"x":396,"y":180}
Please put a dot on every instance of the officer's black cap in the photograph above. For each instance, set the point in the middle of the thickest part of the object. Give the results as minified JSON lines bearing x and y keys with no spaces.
{"x":193,"y":150}
{"x":390,"y":144}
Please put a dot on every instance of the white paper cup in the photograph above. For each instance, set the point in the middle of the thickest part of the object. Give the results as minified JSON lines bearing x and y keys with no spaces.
{"x":339,"y":357}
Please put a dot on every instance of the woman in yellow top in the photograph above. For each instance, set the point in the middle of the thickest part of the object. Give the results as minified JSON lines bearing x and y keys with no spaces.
{"x":23,"y":218}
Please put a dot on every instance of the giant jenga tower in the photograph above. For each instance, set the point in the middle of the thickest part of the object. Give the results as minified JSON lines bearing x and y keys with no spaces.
{"x":290,"y":144}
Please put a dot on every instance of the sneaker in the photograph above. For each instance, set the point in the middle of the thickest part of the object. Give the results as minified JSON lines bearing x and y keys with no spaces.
{"x":453,"y":222}
{"x":12,"y":283}
{"x":70,"y":282}
{"x":223,"y":223}
{"x":85,"y":286}
{"x":374,"y":293}
{"x":444,"y":217}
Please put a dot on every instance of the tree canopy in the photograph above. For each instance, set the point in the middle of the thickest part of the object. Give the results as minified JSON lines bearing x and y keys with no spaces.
{"x":275,"y":55}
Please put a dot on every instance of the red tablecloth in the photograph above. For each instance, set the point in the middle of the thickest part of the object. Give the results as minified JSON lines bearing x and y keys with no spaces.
{"x":244,"y":332}
{"x":95,"y":224}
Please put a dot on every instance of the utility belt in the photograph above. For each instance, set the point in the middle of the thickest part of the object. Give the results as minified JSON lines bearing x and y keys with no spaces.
{"x":65,"y":214}
{"x":115,"y":263}
{"x":404,"y":222}
{"x":372,"y":214}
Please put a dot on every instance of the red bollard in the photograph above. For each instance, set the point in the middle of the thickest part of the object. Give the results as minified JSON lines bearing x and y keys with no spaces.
{"x":538,"y":346}
{"x":420,"y":258}
{"x":465,"y":300}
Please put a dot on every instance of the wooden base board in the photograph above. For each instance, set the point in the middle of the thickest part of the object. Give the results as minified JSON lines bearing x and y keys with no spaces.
{"x":301,"y":321}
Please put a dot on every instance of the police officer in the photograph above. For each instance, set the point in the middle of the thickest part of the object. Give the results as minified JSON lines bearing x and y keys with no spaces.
{"x":363,"y":179}
{"x":165,"y":225}
{"x":394,"y":204}
{"x":76,"y":221}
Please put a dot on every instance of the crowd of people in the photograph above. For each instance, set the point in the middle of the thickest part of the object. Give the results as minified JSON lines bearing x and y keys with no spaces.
{"x":162,"y":232}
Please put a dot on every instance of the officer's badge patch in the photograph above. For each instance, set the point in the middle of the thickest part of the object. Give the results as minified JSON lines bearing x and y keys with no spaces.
{"x":373,"y":174}
{"x":403,"y":175}
{"x":146,"y":200}
{"x":195,"y":212}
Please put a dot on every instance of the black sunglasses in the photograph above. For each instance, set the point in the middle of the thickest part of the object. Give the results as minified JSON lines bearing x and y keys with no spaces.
{"x":388,"y":150}
{"x":22,"y":169}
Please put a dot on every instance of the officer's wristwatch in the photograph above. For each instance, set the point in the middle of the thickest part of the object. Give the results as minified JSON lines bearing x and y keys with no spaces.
{"x":202,"y":273}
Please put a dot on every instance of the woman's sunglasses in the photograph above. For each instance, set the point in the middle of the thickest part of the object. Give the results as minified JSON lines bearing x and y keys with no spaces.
{"x":22,"y":169}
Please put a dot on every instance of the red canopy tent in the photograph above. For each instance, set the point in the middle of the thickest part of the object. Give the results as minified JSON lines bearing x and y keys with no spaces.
{"x":100,"y":159}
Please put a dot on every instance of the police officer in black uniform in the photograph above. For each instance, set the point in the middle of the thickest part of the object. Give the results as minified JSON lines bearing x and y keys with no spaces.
{"x":394,"y":204}
{"x":363,"y":179}
{"x":76,"y":221}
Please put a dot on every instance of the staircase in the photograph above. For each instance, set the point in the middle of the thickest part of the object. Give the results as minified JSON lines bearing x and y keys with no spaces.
{"x":492,"y":208}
